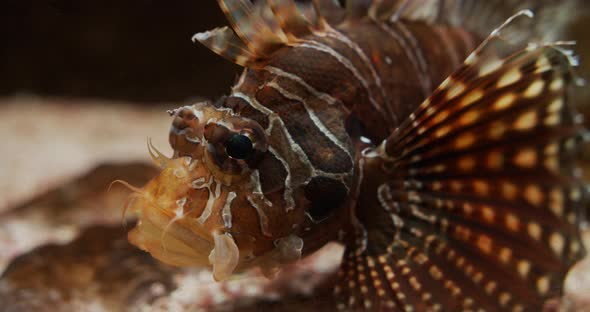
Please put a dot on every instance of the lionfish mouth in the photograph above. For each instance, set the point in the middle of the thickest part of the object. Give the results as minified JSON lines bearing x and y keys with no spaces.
{"x":183,"y":244}
{"x":168,"y":227}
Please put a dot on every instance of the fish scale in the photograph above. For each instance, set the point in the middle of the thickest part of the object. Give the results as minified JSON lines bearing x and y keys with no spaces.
{"x":434,"y":139}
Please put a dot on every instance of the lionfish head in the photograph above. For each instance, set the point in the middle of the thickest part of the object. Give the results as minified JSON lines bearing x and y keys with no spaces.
{"x":256,"y":176}
{"x":207,"y":207}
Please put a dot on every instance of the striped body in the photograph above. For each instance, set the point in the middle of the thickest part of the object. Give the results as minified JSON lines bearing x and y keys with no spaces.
{"x":451,"y":183}
{"x":360,"y":79}
{"x":377,"y":72}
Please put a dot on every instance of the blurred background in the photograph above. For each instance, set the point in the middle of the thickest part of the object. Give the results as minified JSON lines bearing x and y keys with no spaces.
{"x":83,"y":84}
{"x":135,"y":50}
{"x":96,"y":77}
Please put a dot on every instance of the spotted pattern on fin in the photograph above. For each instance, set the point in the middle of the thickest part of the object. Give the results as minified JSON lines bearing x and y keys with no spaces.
{"x":482,"y":202}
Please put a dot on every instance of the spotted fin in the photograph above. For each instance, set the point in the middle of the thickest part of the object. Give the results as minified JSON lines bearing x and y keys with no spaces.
{"x":483,"y":201}
{"x":259,"y":30}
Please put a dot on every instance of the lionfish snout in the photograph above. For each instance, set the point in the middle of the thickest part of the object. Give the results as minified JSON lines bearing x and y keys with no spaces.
{"x":186,"y":131}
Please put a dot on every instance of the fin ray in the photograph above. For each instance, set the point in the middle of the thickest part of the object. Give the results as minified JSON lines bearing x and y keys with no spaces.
{"x":257,"y":30}
{"x":473,"y":15}
{"x":224,"y":42}
{"x":248,"y":21}
{"x":483,"y":194}
{"x":295,"y":21}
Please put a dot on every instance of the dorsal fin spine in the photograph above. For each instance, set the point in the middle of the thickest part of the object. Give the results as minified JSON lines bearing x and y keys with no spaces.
{"x":291,"y":20}
{"x":250,"y":26}
{"x":259,"y":30}
{"x":224,"y":42}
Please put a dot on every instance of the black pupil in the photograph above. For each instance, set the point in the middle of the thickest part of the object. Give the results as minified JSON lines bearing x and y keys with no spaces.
{"x":238,"y":146}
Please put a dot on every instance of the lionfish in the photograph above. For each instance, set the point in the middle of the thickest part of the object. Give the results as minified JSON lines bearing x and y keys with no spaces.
{"x":441,"y":155}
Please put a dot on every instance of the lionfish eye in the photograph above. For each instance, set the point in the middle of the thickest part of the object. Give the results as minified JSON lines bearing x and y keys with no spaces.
{"x":239,"y":146}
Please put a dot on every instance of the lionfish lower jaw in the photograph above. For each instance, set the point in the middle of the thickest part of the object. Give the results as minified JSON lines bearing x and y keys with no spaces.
{"x":181,"y":241}
{"x":178,"y":246}
{"x":164,"y":228}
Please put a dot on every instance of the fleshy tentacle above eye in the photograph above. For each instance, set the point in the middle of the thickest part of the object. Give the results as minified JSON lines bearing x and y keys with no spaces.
{"x":483,"y":202}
